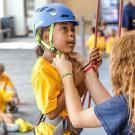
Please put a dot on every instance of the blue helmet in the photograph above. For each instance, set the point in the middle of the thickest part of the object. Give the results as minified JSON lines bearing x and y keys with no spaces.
{"x":50,"y":14}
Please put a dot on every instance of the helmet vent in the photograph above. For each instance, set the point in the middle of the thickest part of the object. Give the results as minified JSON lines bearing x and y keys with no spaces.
{"x":64,"y":16}
{"x":52,"y":11}
{"x":42,"y":9}
{"x":37,"y":10}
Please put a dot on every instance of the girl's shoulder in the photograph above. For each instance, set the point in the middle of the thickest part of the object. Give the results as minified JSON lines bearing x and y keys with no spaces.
{"x":42,"y":64}
{"x":5,"y":76}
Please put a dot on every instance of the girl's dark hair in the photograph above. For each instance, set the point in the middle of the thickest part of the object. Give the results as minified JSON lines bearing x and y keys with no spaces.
{"x":93,"y":29}
{"x":39,"y":50}
{"x":102,"y":33}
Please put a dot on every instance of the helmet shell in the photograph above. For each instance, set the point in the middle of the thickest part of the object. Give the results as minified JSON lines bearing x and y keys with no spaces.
{"x":52,"y":13}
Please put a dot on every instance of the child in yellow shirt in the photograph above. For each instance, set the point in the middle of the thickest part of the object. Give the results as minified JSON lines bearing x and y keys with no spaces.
{"x":5,"y":97}
{"x":100,"y":41}
{"x":7,"y":89}
{"x":110,"y":42}
{"x":54,"y":29}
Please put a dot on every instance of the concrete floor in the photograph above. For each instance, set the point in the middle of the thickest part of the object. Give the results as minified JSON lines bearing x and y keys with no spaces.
{"x":19,"y":63}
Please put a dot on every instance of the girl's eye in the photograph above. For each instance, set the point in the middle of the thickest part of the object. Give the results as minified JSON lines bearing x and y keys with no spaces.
{"x":65,"y":29}
{"x":73,"y":29}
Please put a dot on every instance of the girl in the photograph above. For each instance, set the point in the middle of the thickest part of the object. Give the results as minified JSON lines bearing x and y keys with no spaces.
{"x":117,"y":114}
{"x":8,"y":92}
{"x":54,"y":28}
{"x":110,"y":41}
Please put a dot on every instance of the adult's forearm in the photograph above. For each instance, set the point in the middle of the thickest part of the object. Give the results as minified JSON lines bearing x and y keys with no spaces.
{"x":72,"y":98}
{"x":97,"y":91}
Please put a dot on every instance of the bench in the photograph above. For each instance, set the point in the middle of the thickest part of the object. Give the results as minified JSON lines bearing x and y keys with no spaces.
{"x":4,"y":32}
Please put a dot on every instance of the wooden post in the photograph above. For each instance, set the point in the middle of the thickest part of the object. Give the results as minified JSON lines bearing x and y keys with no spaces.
{"x":96,"y":28}
{"x":120,"y":17}
{"x":97,"y":20}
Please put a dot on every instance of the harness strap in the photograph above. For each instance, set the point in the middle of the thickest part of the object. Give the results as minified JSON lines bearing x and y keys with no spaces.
{"x":59,"y":129}
{"x":54,"y":122}
{"x":58,"y":122}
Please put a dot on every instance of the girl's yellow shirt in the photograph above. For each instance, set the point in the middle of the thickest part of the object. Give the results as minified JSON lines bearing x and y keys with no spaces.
{"x":5,"y":82}
{"x":47,"y":86}
{"x":5,"y":96}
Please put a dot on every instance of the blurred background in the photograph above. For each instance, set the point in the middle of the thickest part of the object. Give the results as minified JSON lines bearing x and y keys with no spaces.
{"x":17,"y":45}
{"x":16,"y":15}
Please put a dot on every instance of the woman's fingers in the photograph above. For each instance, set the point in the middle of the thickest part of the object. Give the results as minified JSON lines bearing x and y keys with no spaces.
{"x":58,"y":59}
{"x":54,"y":62}
{"x":63,"y":57}
{"x":95,"y":58}
{"x":93,"y":54}
{"x":58,"y":56}
{"x":94,"y":50}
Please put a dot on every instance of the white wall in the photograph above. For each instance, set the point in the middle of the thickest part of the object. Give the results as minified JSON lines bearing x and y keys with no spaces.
{"x":39,"y":3}
{"x":16,"y":8}
{"x":1,"y":8}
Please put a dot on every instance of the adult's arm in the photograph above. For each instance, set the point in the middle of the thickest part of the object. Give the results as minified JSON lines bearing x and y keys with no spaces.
{"x":79,"y":118}
{"x":97,"y":91}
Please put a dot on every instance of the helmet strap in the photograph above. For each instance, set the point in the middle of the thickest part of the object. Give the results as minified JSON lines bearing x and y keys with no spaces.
{"x":50,"y":46}
{"x":46,"y":45}
{"x":51,"y":35}
{"x":38,"y":37}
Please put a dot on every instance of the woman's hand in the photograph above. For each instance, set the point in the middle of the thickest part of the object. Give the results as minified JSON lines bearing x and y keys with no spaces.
{"x":95,"y":57}
{"x":77,"y":62}
{"x":63,"y":65}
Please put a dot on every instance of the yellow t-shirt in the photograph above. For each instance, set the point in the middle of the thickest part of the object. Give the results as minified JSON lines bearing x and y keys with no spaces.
{"x":100,"y":42}
{"x":4,"y":98}
{"x":47,"y":86}
{"x":5,"y":82}
{"x":109,"y":43}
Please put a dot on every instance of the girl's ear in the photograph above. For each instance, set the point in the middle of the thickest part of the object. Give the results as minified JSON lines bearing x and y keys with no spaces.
{"x":45,"y":37}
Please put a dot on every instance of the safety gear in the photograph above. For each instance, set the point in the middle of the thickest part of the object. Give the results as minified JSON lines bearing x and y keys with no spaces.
{"x":61,"y":124}
{"x":52,"y":13}
{"x":47,"y":16}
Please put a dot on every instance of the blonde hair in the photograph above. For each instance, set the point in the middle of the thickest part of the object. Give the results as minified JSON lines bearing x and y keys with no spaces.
{"x":122,"y":69}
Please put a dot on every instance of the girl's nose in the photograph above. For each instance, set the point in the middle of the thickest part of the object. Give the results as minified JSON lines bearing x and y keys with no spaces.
{"x":72,"y":34}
